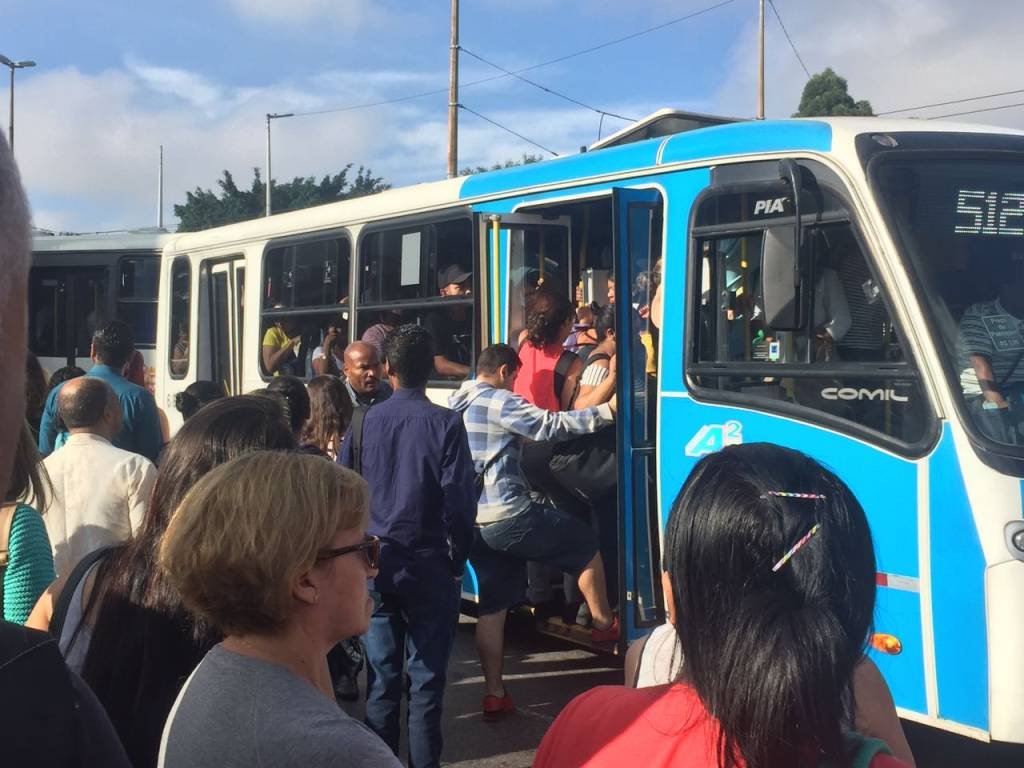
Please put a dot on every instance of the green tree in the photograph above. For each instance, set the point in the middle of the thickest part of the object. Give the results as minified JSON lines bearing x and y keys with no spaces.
{"x":205,"y":208}
{"x":526,"y":160}
{"x":827,"y":94}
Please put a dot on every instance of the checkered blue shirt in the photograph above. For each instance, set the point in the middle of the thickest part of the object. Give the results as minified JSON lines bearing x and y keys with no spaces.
{"x":496,"y":421}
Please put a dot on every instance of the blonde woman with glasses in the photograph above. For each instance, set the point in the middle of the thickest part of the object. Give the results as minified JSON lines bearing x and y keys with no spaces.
{"x":271,"y":548}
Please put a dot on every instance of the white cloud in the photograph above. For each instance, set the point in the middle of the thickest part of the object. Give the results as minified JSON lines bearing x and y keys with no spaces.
{"x":187,"y":86}
{"x":88,"y":143}
{"x":893,"y":54}
{"x":350,"y":13}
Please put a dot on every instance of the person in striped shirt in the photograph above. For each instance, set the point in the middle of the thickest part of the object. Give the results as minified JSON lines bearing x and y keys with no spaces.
{"x":990,"y":356}
{"x":512,"y":528}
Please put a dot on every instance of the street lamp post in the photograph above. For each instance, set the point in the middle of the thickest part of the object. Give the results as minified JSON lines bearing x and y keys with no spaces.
{"x":271,"y":116}
{"x":13,"y":65}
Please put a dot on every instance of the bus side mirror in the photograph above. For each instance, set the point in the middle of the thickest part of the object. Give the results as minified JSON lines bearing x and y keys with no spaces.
{"x":780,"y":276}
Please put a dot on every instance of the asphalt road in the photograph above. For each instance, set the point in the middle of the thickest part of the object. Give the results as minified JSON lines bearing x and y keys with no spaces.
{"x":544,"y":674}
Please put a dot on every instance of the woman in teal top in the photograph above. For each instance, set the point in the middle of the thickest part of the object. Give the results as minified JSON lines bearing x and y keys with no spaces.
{"x":30,"y":560}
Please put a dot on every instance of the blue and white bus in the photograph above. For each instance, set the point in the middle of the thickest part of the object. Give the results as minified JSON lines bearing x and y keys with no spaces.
{"x":833,"y":285}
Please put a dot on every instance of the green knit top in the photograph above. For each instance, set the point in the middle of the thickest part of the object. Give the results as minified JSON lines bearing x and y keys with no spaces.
{"x":30,"y":567}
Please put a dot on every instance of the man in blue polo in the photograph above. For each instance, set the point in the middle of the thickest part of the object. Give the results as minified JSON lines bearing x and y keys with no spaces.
{"x":415,"y":457}
{"x":112,"y":345}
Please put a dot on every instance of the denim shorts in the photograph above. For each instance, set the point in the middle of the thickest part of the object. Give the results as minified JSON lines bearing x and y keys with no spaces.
{"x":543,"y":534}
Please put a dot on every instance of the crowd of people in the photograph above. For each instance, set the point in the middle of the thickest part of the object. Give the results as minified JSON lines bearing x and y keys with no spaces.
{"x":193,"y":600}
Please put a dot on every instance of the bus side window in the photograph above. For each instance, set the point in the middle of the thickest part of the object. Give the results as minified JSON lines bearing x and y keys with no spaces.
{"x":538,"y":256}
{"x":400,"y":273}
{"x":305,"y":297}
{"x":136,"y":297}
{"x":848,"y":322}
{"x":181,"y":316}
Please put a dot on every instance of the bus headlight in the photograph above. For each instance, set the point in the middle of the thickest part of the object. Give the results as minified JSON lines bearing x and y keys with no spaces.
{"x":1014,"y":536}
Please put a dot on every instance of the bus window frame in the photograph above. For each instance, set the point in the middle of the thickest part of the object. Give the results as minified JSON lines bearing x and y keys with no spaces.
{"x":422,"y":221}
{"x":118,"y":300}
{"x":176,"y":261}
{"x":204,"y":298}
{"x":908,"y":369}
{"x":312,"y":310}
{"x":77,"y":261}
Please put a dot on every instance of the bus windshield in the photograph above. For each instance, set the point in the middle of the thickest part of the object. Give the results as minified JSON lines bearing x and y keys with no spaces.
{"x":960,"y":219}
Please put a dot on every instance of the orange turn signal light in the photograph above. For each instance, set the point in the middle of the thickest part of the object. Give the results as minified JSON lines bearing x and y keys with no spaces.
{"x":889,"y":644}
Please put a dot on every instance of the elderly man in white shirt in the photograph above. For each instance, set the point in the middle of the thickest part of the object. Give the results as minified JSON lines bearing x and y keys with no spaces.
{"x":100,"y":492}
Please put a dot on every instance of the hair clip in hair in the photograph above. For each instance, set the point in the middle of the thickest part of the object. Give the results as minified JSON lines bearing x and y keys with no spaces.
{"x":790,"y":495}
{"x":796,"y":547}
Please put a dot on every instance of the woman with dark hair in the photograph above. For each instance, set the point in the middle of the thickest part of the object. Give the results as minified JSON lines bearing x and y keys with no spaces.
{"x":126,"y":630}
{"x":327,"y":357}
{"x":548,"y":378}
{"x":770,"y":582}
{"x":135,"y":369}
{"x":29,"y":566}
{"x":330,"y":412}
{"x":196,"y":395}
{"x":597,"y":384}
{"x":296,"y":398}
{"x":550,"y":372}
{"x":61,"y":375}
{"x":35,"y":391}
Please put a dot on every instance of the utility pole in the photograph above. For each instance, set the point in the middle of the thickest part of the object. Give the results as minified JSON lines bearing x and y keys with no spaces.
{"x":266,"y":186}
{"x":760,"y":63}
{"x":13,"y":65}
{"x":160,"y":191}
{"x":453,"y":96}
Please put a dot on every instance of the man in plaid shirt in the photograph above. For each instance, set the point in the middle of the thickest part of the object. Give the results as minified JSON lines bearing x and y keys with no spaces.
{"x":511,"y":527}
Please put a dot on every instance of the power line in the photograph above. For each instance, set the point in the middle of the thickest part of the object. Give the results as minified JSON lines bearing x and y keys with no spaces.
{"x":506,"y":128}
{"x":790,"y":39}
{"x":631,"y":36}
{"x":948,"y":103}
{"x":557,"y":60}
{"x":977,"y":111}
{"x":545,"y":88}
{"x":369,"y":104}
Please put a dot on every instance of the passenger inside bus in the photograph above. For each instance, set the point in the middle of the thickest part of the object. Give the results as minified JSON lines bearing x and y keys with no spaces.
{"x":452,"y":327}
{"x":376,"y":333}
{"x":281,"y":346}
{"x":849,"y":322}
{"x":990,"y":350}
{"x":327,"y":357}
{"x":179,"y":355}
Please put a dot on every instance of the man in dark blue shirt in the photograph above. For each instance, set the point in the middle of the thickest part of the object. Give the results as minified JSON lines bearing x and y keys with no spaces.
{"x":112,"y":345}
{"x":415,"y":457}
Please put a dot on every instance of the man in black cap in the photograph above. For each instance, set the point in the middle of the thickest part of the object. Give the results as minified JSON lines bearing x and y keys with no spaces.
{"x":452,"y":327}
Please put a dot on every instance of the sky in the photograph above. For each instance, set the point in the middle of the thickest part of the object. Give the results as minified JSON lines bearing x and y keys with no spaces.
{"x":115,"y":80}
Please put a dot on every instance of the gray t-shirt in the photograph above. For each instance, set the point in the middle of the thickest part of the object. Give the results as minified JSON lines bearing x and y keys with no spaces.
{"x":239,"y":711}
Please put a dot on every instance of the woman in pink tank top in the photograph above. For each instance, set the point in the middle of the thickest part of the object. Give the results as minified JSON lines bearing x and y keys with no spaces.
{"x":541,"y":380}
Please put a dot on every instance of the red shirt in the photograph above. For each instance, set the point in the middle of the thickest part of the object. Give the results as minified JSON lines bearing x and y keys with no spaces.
{"x":536,"y":379}
{"x":660,"y":727}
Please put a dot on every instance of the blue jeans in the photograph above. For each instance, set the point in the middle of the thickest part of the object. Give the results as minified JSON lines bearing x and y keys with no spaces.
{"x":417,"y":634}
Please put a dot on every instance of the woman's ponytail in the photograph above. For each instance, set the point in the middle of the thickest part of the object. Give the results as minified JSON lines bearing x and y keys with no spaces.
{"x":770,"y":652}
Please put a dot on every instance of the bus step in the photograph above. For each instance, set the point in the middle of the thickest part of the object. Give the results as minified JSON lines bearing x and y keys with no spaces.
{"x":556,"y":626}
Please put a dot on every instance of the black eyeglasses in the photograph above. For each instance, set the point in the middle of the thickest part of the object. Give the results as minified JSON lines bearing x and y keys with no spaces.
{"x":370,"y":549}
